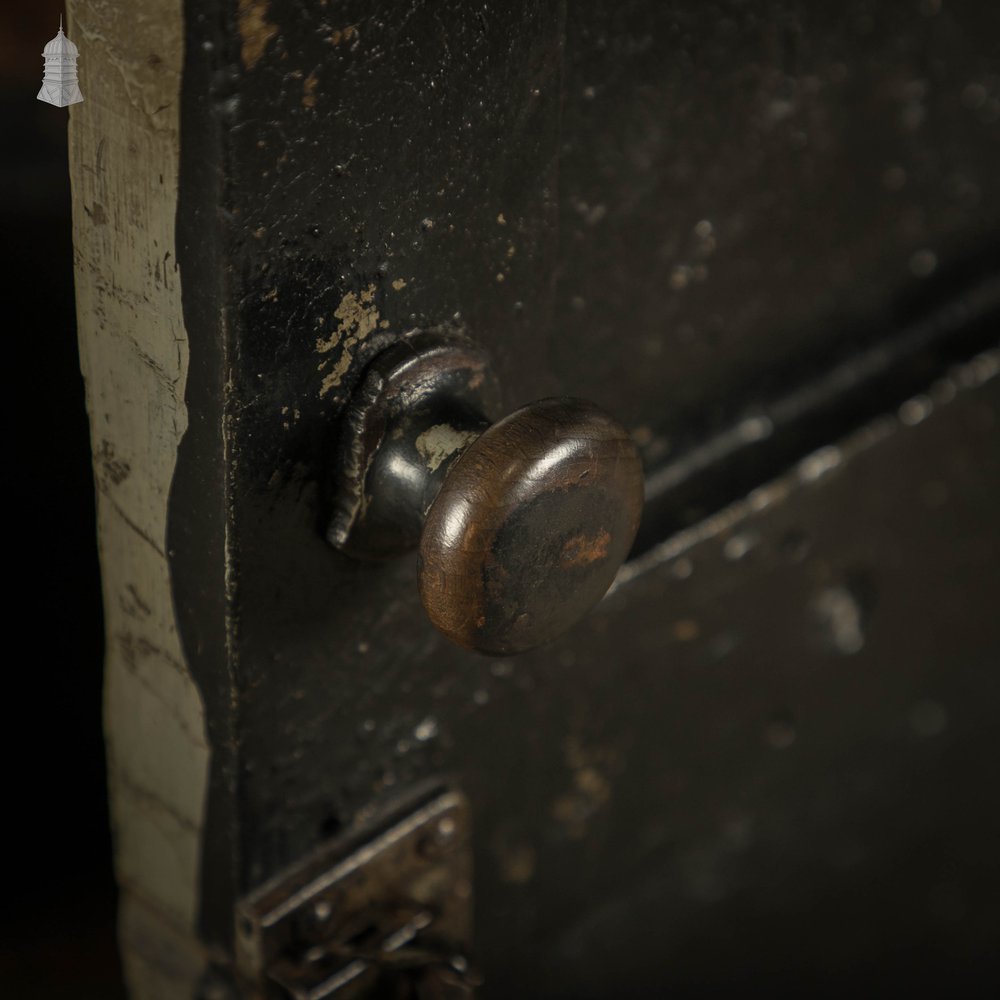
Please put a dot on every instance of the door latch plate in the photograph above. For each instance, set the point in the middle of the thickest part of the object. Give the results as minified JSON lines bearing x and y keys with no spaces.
{"x":394,"y":898}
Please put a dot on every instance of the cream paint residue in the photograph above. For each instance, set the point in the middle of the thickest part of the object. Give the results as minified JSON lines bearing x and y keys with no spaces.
{"x":440,"y":442}
{"x":357,"y":317}
{"x":255,"y":31}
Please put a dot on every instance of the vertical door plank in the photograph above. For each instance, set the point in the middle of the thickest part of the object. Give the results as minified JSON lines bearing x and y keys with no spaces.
{"x":124,"y":154}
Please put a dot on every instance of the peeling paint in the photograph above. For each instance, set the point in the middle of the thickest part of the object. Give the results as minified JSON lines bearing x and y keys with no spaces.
{"x":441,"y":441}
{"x":255,"y":31}
{"x":348,"y":34}
{"x":357,"y":317}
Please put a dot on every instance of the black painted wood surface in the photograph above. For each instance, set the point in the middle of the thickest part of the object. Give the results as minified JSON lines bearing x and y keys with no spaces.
{"x":679,"y":211}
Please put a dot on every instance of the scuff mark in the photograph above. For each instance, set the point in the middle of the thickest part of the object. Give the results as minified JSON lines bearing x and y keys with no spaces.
{"x":132,"y":603}
{"x":114,"y":469}
{"x":582,"y":550}
{"x":255,"y":31}
{"x":358,"y":316}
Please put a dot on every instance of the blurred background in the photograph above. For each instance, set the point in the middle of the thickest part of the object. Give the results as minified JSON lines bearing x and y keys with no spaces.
{"x":57,"y":933}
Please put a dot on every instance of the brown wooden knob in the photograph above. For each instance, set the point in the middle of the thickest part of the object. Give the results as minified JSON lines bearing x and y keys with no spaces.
{"x":521,"y":525}
{"x":530,"y":526}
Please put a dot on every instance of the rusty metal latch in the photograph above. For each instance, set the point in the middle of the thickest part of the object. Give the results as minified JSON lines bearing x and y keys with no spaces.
{"x":387,"y":907}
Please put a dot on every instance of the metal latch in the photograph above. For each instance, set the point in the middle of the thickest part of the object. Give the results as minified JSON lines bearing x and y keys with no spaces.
{"x":388,"y":906}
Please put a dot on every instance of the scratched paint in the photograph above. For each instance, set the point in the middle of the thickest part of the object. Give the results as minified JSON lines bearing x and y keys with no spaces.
{"x":348,"y":34}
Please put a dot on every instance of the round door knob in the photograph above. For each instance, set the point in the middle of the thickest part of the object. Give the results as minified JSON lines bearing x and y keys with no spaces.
{"x":521,"y":525}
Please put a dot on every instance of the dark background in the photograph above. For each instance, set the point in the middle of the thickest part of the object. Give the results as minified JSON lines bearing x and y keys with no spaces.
{"x":57,"y":908}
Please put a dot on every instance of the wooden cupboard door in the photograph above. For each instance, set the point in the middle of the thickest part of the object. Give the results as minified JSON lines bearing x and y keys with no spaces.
{"x":765,"y":240}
